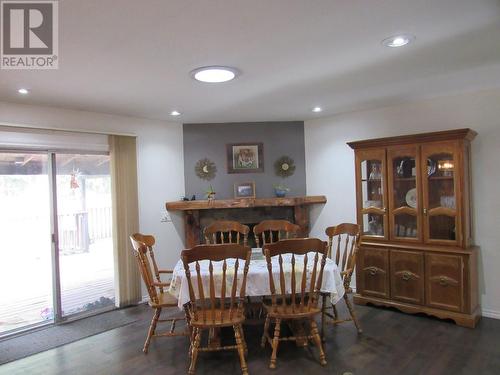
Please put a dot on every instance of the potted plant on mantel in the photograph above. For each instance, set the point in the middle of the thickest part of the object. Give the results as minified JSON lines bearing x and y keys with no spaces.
{"x":210,"y":194}
{"x":280,"y":190}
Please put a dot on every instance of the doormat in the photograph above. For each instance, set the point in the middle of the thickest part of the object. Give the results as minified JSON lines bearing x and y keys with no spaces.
{"x":52,"y":337}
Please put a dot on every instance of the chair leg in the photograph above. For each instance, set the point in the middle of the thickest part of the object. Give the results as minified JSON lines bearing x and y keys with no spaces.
{"x":272,"y":364}
{"x":335,"y":312}
{"x":243,"y":339}
{"x":317,"y":341}
{"x":152,"y":329}
{"x":194,"y":352}
{"x":241,"y":348}
{"x":353,"y":314}
{"x":323,"y":312}
{"x":265,"y":333}
{"x":192,"y":337}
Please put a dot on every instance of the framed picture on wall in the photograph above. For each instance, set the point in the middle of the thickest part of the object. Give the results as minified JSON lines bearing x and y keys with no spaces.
{"x":244,"y":190}
{"x":245,"y":157}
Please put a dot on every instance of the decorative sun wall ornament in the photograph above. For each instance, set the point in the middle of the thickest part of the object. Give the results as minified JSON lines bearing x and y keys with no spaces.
{"x":205,"y":169}
{"x":284,"y":166}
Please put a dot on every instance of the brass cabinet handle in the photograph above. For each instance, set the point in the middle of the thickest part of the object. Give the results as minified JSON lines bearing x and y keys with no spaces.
{"x":372,"y":270}
{"x":445,"y":280}
{"x":407,"y":275}
{"x":425,"y":211}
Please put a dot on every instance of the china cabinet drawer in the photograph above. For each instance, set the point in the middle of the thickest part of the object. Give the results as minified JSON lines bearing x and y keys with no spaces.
{"x":444,"y":281}
{"x":407,"y":276}
{"x":374,"y":272}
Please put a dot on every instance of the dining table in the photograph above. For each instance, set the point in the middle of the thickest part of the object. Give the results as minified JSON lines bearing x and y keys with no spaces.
{"x":258,"y":276}
{"x":257,"y":284}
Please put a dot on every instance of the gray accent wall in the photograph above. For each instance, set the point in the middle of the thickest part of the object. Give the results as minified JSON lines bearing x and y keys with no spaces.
{"x":209,"y":141}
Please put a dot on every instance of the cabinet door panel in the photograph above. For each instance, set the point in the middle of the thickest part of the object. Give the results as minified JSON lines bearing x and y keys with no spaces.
{"x":407,"y":276}
{"x":441,"y":193}
{"x":444,"y":279}
{"x":403,"y":172}
{"x":372,"y":193}
{"x":374,"y":272}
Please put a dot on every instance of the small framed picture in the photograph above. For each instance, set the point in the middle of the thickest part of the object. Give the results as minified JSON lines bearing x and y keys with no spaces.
{"x":244,"y":190}
{"x":245,"y":157}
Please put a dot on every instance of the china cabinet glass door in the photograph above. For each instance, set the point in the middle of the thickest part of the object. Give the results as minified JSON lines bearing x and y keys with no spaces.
{"x":404,"y":193}
{"x":440,"y":182}
{"x":372,"y":190}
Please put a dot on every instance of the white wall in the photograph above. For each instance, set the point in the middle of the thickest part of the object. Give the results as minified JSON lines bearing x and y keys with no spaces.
{"x":159,"y":158}
{"x":330,"y":166}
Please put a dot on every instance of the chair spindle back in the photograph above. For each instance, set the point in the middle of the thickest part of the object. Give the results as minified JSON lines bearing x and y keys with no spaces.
{"x":343,"y":242}
{"x":271,"y":231}
{"x":144,"y":256}
{"x":221,"y":232}
{"x":306,"y":297}
{"x":205,"y":303}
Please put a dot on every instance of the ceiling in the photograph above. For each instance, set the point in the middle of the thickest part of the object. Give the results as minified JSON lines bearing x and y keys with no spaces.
{"x":134,"y":57}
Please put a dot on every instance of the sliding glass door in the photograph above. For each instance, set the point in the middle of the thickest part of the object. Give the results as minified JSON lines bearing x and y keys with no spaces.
{"x":26,"y":290}
{"x":56,"y":230}
{"x":85,"y":242}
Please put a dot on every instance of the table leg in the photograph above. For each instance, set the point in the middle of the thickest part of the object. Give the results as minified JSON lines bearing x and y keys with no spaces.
{"x":214,"y":339}
{"x":297,"y":328}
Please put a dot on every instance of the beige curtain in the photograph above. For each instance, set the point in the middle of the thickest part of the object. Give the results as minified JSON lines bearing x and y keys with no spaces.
{"x":125,"y":218}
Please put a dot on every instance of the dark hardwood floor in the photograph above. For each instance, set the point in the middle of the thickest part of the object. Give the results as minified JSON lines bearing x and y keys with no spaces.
{"x":392,"y":343}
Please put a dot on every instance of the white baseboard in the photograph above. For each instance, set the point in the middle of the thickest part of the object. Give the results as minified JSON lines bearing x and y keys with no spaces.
{"x":490,"y":314}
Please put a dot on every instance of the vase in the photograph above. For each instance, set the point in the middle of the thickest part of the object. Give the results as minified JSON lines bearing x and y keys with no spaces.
{"x":280,"y":193}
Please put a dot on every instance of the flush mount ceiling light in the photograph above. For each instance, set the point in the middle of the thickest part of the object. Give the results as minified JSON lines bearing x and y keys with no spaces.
{"x":23,"y":91}
{"x":317,"y":109}
{"x":214,"y":74}
{"x":175,"y":113}
{"x":398,"y":40}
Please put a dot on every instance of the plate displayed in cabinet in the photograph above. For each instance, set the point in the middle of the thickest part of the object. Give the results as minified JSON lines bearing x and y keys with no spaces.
{"x":411,"y":198}
{"x":431,"y":167}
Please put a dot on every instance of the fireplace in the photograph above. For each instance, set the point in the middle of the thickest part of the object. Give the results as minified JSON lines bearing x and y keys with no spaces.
{"x":199,"y":214}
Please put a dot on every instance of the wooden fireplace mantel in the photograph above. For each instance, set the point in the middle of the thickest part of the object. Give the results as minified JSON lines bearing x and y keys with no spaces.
{"x":192,"y":210}
{"x":244,"y":203}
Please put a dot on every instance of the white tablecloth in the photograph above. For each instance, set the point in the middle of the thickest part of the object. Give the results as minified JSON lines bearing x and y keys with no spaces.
{"x":257,"y":279}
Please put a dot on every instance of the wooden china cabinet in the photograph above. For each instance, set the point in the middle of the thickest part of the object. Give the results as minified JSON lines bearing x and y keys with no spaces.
{"x":413,"y":207}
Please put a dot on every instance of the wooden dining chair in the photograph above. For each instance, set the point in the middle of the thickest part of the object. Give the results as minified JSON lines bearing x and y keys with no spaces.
{"x":343,"y":243}
{"x":290,"y":303}
{"x":222,"y":231}
{"x":270,"y":231}
{"x":208,"y":312}
{"x":158,"y":297}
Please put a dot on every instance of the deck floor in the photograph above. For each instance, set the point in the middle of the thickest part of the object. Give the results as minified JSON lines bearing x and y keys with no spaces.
{"x":85,"y":279}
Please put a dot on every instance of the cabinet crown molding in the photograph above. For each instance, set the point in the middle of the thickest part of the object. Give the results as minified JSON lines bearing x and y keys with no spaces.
{"x":446,"y":135}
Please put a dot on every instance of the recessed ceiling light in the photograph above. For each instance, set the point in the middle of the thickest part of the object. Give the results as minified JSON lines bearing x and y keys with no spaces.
{"x":398,"y":40}
{"x":23,"y":91}
{"x":214,"y":74}
{"x":317,"y":109}
{"x":175,"y":113}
